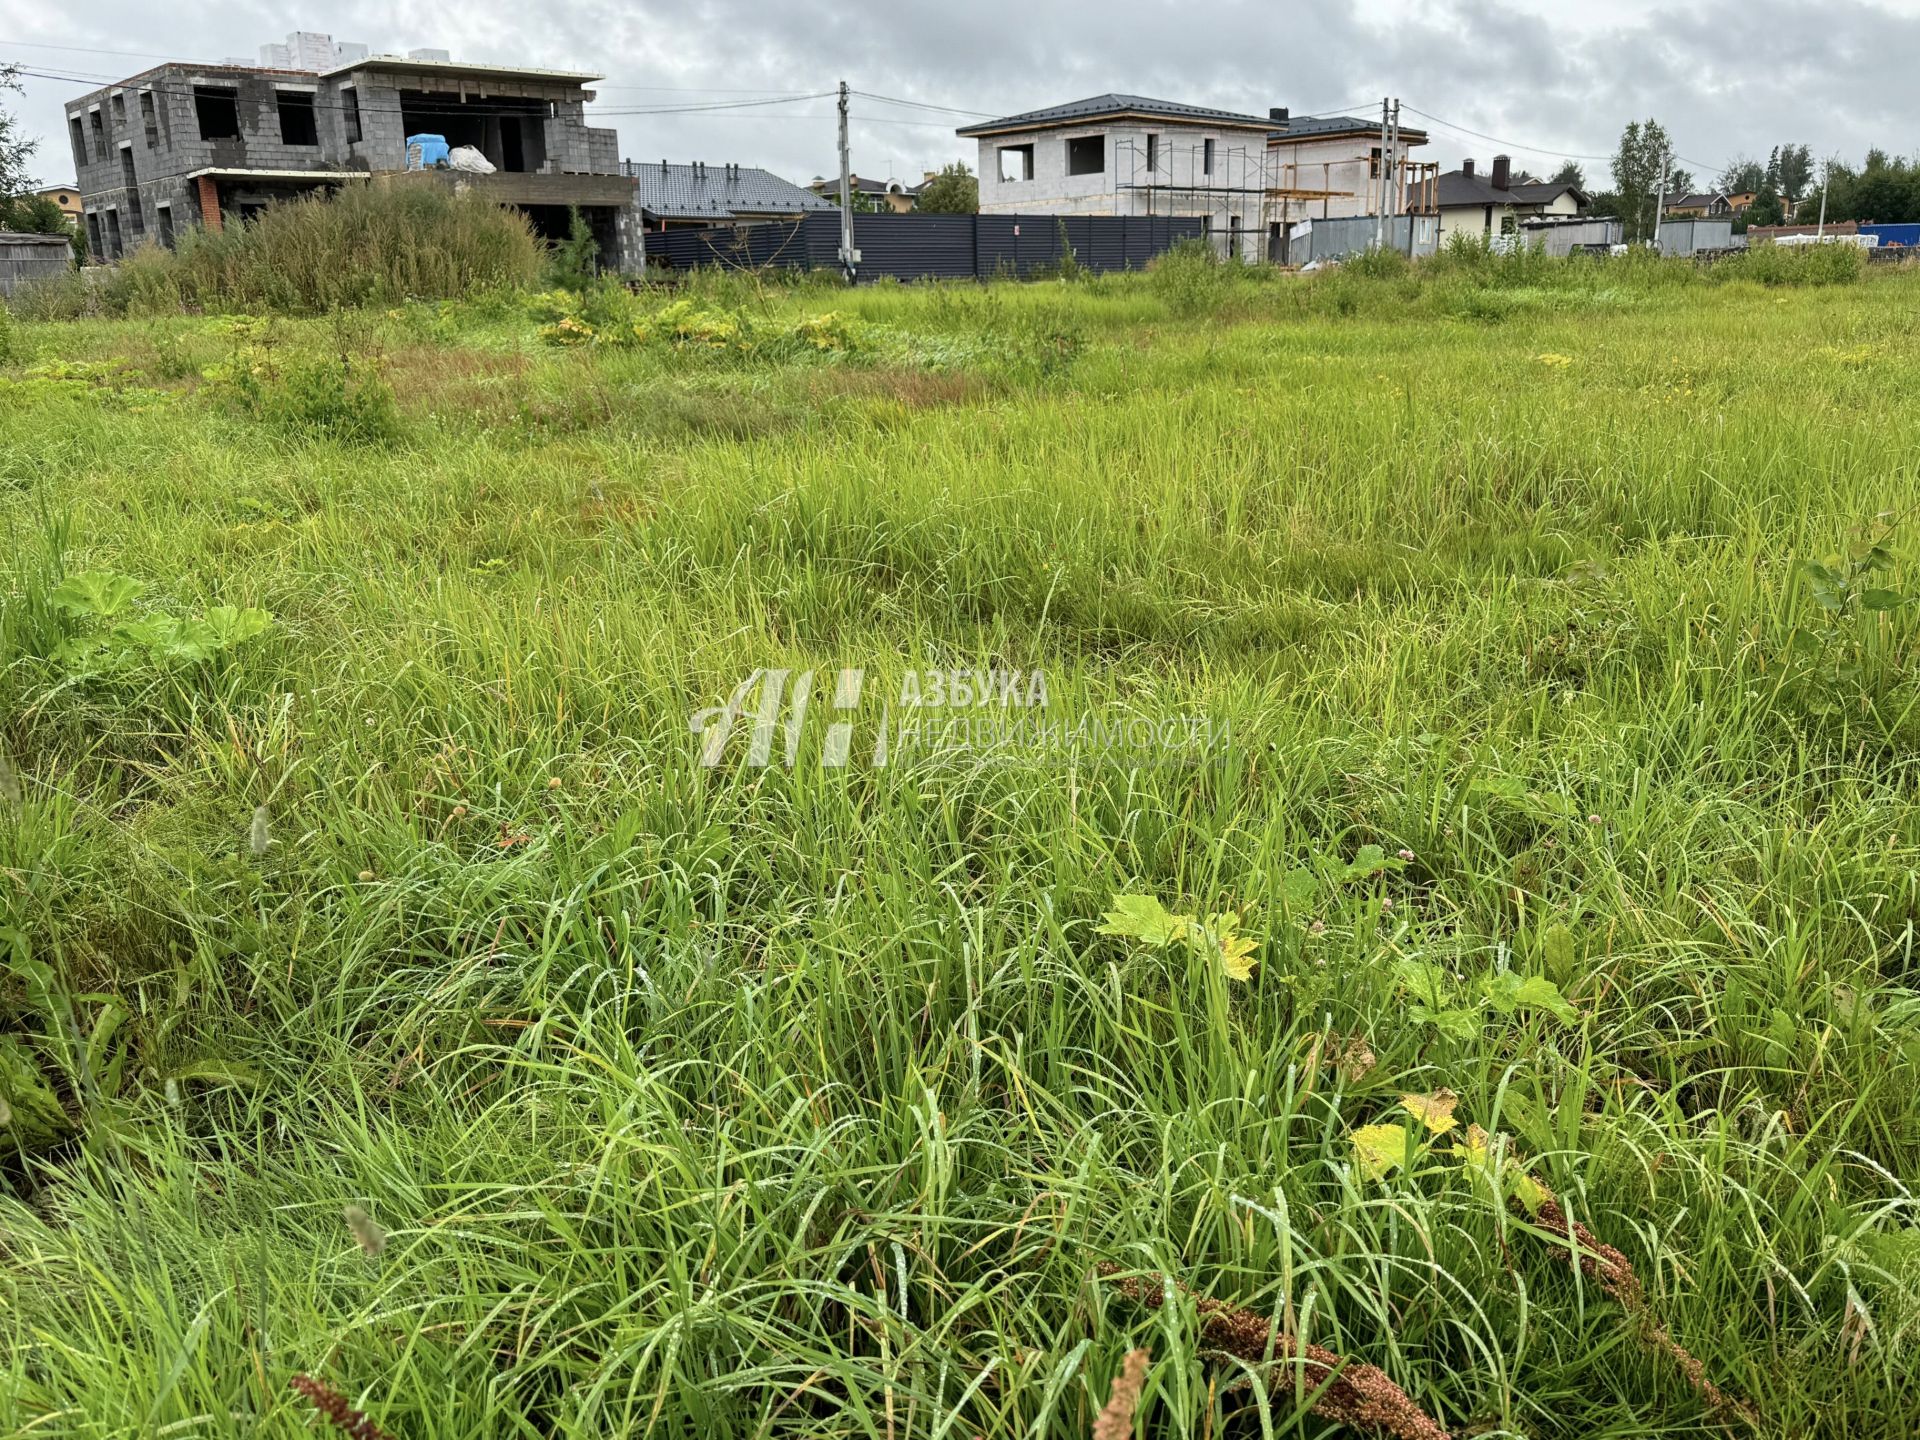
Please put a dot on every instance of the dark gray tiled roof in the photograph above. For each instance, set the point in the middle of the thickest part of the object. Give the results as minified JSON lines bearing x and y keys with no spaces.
{"x":1459,"y":188}
{"x":1308,"y":126}
{"x":829,"y":186}
{"x":715,"y":192}
{"x":1099,"y":106}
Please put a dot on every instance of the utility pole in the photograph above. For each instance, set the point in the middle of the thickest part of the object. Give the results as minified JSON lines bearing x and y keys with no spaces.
{"x":849,"y":257}
{"x":1380,"y":202}
{"x":1826,"y":174}
{"x":1660,"y":196}
{"x":1398,"y":167}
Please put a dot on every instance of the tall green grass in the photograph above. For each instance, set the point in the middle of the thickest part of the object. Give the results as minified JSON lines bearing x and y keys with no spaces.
{"x":806,"y":1102}
{"x":366,"y":244}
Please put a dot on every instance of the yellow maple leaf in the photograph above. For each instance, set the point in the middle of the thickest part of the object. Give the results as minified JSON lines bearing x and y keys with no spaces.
{"x":1236,"y":956}
{"x":1380,"y":1149}
{"x":1434,"y":1111}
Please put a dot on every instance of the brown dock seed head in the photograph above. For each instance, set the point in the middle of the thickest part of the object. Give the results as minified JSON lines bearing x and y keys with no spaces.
{"x":366,"y":1230}
{"x":1614,"y":1274}
{"x":1115,"y":1421}
{"x":1349,"y":1393}
{"x":332,"y":1404}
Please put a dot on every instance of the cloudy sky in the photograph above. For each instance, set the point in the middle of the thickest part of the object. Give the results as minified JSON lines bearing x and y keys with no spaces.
{"x":1542,"y":79}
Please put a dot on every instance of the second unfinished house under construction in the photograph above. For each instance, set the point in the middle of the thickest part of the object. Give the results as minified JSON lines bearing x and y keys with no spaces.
{"x":1249,"y":176}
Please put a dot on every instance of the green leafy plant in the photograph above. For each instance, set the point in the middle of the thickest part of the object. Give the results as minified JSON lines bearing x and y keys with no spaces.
{"x":102,"y":643}
{"x":1143,"y":918}
{"x":1460,"y":1009}
{"x":1306,"y":885}
{"x":339,"y":396}
{"x":1836,"y":663}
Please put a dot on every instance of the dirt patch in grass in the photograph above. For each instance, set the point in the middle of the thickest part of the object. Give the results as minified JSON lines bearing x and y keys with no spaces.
{"x":441,"y":378}
{"x":914,"y":389}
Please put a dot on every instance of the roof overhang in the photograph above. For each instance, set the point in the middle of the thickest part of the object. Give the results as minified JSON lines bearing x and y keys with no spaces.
{"x":1408,"y":135}
{"x":521,"y":187}
{"x":463,"y":70}
{"x":241,"y":172}
{"x":1108,"y":117}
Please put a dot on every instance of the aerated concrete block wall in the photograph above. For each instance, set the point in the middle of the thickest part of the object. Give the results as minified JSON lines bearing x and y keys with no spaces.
{"x":1179,"y":171}
{"x":114,"y":132}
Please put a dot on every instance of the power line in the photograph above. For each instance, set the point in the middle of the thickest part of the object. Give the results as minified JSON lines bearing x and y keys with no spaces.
{"x":83,"y":49}
{"x":923,"y":105}
{"x":448,"y":110}
{"x":1704,"y":166}
{"x":1496,"y":140}
{"x":767,"y":92}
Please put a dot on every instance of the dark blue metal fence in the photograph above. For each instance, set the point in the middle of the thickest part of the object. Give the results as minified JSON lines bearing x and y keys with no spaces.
{"x":923,"y":247}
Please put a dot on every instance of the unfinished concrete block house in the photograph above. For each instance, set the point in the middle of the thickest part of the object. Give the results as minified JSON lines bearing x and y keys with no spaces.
{"x":191,"y":144}
{"x":1249,"y":175}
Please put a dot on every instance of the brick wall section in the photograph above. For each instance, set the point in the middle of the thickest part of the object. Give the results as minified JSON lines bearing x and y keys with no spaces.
{"x":209,"y":204}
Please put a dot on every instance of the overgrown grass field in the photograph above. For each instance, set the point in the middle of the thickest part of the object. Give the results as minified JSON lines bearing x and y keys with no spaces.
{"x":393,"y":997}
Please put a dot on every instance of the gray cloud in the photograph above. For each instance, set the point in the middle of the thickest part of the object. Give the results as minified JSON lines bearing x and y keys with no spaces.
{"x":1725,"y":76}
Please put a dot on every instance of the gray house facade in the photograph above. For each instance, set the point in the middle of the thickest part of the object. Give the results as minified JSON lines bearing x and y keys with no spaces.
{"x":183,"y":145}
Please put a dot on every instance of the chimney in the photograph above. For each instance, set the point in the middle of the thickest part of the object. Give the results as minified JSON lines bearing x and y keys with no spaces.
{"x":1278,"y":115}
{"x":1502,"y":172}
{"x":1466,"y":168}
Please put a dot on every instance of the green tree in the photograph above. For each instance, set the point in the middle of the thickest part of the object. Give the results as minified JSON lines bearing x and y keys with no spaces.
{"x":1636,"y":175}
{"x":1884,"y":189}
{"x":34,"y":215}
{"x":954,"y":191}
{"x":1743,"y":174}
{"x":1792,"y":173}
{"x":1570,"y":173}
{"x":15,"y":149}
{"x":1767,"y":209}
{"x":1644,"y":155}
{"x":572,"y":266}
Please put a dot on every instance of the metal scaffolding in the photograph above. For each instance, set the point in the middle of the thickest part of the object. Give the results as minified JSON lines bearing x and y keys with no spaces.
{"x":1263,"y":190}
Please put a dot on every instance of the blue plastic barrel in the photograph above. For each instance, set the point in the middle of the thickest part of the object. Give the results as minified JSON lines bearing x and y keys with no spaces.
{"x":424,"y":152}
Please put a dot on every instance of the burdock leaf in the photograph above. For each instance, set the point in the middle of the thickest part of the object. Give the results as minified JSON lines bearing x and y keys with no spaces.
{"x":230,"y":626}
{"x":1298,"y":888}
{"x":1435,"y":1111}
{"x":1380,"y":1149}
{"x":1141,"y":917}
{"x":94,"y":592}
{"x":1369,"y":861}
{"x":1509,"y":991}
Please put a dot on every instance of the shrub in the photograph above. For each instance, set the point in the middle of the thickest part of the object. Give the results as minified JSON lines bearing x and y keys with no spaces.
{"x":339,"y":396}
{"x":572,"y":266}
{"x":71,"y":296}
{"x":610,"y":316}
{"x":1189,"y":280}
{"x":1795,"y":265}
{"x":1379,"y":263}
{"x":369,"y":244}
